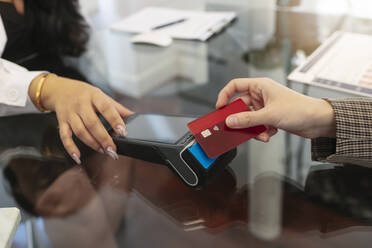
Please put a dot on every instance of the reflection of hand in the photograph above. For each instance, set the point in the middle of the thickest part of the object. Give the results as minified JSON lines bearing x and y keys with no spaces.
{"x":68,"y":194}
{"x":74,"y":214}
{"x":76,"y":104}
{"x":278,"y":107}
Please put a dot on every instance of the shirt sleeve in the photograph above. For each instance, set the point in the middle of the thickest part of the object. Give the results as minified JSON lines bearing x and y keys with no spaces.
{"x":353,"y":142}
{"x":14,"y":83}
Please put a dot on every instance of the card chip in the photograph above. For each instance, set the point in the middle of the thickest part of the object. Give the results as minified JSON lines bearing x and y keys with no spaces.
{"x":206,"y":133}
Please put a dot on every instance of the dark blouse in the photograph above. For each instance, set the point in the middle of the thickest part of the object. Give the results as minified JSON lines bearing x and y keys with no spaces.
{"x":18,"y":47}
{"x":21,"y":49}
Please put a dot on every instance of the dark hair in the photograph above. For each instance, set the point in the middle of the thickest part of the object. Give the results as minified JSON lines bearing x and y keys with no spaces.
{"x":58,"y":27}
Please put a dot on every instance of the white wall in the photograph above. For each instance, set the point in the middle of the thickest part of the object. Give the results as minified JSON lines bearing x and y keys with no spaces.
{"x":88,"y":7}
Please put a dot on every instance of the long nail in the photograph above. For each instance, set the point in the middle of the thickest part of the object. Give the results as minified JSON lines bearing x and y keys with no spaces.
{"x":101,"y":151}
{"x":110,"y":151}
{"x":121,"y":130}
{"x":76,"y":158}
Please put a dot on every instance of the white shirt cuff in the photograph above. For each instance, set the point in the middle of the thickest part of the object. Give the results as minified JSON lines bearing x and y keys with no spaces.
{"x":14,"y":83}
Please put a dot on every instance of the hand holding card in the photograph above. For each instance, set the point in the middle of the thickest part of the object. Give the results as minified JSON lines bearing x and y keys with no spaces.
{"x":215,"y":137}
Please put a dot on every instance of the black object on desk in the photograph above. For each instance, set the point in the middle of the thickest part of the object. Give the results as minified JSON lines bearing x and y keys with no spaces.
{"x":165,"y":139}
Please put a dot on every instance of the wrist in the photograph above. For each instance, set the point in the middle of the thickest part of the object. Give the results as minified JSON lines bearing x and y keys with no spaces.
{"x":48,"y":94}
{"x":324,"y":121}
{"x":32,"y":90}
{"x":40,"y":91}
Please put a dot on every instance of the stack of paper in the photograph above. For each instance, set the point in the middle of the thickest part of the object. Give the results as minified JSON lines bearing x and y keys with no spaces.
{"x":198,"y":25}
{"x":9,"y":221}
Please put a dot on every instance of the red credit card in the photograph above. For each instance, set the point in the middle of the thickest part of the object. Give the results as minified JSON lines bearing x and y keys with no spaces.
{"x":212,"y":133}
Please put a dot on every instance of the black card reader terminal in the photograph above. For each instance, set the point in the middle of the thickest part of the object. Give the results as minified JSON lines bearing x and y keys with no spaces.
{"x":165,"y":139}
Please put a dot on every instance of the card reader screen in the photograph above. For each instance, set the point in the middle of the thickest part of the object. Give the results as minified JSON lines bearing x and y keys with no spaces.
{"x":158,"y":128}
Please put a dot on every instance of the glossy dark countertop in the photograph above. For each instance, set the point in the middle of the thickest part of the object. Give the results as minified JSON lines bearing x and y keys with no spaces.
{"x":131,"y":203}
{"x":271,"y":195}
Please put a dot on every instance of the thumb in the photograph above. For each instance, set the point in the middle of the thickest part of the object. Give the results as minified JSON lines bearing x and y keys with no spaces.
{"x":248,"y":119}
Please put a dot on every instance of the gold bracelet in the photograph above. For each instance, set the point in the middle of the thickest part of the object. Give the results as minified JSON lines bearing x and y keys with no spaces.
{"x":40,"y":85}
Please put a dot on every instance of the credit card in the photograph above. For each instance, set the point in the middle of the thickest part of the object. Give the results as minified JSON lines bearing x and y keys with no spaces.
{"x":215,"y":137}
{"x":200,"y":155}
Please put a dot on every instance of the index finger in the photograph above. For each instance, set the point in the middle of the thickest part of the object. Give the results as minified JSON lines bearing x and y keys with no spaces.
{"x":235,"y":86}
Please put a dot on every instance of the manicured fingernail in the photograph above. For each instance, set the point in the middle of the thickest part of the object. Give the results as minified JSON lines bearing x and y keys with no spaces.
{"x":232,"y":121}
{"x":110,"y":151}
{"x":76,"y":158}
{"x":121,"y":130}
{"x":101,"y":151}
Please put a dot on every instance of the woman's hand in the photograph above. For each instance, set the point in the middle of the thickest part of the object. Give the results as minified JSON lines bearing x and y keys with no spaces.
{"x":76,"y":104}
{"x":278,"y":107}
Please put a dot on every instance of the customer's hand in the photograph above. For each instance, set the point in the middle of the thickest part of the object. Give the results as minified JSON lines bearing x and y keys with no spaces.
{"x":76,"y":104}
{"x":278,"y":107}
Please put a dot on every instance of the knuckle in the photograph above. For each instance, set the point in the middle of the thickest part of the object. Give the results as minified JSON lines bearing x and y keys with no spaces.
{"x":91,"y":124}
{"x":70,"y":147}
{"x":96,"y":93}
{"x":105,"y":106}
{"x":235,"y":81}
{"x":97,"y":90}
{"x":68,"y":144}
{"x":266,"y":80}
{"x":64,"y":135}
{"x":79,"y":131}
{"x":221,"y":93}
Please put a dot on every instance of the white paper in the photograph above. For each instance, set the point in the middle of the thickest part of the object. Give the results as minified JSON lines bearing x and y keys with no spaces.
{"x":199,"y":25}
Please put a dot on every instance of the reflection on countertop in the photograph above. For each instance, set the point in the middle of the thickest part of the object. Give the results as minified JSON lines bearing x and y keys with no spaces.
{"x":106,"y":203}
